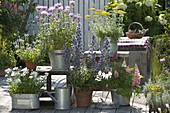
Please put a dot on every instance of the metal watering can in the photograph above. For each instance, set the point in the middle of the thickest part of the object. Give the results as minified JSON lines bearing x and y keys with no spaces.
{"x":62,"y":98}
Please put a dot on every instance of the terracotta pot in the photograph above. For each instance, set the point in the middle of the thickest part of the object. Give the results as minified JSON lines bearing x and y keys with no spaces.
{"x":2,"y":72}
{"x":84,"y":98}
{"x":31,"y":65}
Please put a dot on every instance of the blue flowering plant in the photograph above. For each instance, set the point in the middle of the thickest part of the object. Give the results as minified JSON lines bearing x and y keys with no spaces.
{"x":57,"y":25}
{"x":99,"y":62}
{"x":27,"y":50}
{"x":81,"y":77}
{"x":24,"y":81}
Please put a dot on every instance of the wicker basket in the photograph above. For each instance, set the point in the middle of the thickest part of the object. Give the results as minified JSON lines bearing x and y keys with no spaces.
{"x":133,"y":35}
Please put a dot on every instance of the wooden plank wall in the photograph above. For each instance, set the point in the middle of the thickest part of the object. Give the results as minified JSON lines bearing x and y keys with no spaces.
{"x":81,"y":7}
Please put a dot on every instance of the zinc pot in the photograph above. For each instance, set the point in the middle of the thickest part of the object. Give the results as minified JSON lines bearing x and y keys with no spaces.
{"x":57,"y":59}
{"x":124,"y":101}
{"x":115,"y":98}
{"x":25,"y":101}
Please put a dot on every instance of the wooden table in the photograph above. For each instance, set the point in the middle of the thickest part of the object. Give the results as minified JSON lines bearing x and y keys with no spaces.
{"x":48,"y":69}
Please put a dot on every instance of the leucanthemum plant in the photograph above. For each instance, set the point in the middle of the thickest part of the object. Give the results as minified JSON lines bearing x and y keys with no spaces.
{"x":24,"y":81}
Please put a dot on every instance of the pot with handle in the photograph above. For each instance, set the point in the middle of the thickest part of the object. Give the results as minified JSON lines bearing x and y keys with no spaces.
{"x":62,"y":98}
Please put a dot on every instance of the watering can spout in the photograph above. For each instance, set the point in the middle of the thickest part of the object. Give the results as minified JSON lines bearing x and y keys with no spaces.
{"x":52,"y":97}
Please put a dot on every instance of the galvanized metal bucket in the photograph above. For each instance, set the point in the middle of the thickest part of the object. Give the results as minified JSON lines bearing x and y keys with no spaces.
{"x":25,"y":101}
{"x":62,"y":96}
{"x":57,"y":59}
{"x":115,"y":98}
{"x":123,"y":101}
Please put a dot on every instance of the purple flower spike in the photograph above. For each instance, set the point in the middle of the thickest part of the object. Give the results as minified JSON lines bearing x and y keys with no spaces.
{"x":71,"y":14}
{"x":116,"y":74}
{"x":52,"y":8}
{"x":60,"y":8}
{"x":72,"y":3}
{"x":162,"y":60}
{"x":44,"y":13}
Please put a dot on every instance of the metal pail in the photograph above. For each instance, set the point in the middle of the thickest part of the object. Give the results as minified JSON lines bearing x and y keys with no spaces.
{"x":62,"y":96}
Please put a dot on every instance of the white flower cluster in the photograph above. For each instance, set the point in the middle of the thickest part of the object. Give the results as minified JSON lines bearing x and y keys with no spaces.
{"x":162,"y":19}
{"x":149,"y":3}
{"x":122,"y":6}
{"x":103,"y":75}
{"x":130,"y":1}
{"x":148,"y":18}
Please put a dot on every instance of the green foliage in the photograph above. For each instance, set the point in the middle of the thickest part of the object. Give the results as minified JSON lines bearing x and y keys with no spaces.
{"x":160,"y":52}
{"x":144,"y":12}
{"x":14,"y":18}
{"x":24,"y":81}
{"x":7,"y":59}
{"x":82,"y":79}
{"x":158,"y":93}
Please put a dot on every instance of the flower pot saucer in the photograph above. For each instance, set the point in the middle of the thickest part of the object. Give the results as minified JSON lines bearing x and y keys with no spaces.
{"x":104,"y":105}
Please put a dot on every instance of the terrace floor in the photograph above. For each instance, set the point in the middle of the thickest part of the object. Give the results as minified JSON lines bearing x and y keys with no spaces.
{"x":47,"y":105}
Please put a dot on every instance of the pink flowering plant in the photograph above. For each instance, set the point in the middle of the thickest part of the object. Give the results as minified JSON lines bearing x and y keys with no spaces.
{"x":57,"y":25}
{"x":125,"y":80}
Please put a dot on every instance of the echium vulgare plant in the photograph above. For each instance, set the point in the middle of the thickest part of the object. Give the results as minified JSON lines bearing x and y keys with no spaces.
{"x":74,"y":57}
{"x":102,"y":63}
{"x":81,"y":77}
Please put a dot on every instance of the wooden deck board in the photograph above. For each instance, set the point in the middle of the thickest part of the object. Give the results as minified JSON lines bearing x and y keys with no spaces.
{"x":18,"y":111}
{"x":79,"y":110}
{"x":48,"y":109}
{"x":108,"y":111}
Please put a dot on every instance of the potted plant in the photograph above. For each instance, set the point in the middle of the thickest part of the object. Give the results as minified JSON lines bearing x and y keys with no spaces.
{"x":107,"y":24}
{"x":157,"y":95}
{"x":25,"y":87}
{"x":29,"y":51}
{"x":57,"y":25}
{"x":81,"y":77}
{"x":126,"y":81}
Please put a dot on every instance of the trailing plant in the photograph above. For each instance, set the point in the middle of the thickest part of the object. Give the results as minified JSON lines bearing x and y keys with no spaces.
{"x":7,"y":59}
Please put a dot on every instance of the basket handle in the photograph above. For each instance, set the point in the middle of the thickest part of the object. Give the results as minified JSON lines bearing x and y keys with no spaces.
{"x":135,"y":23}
